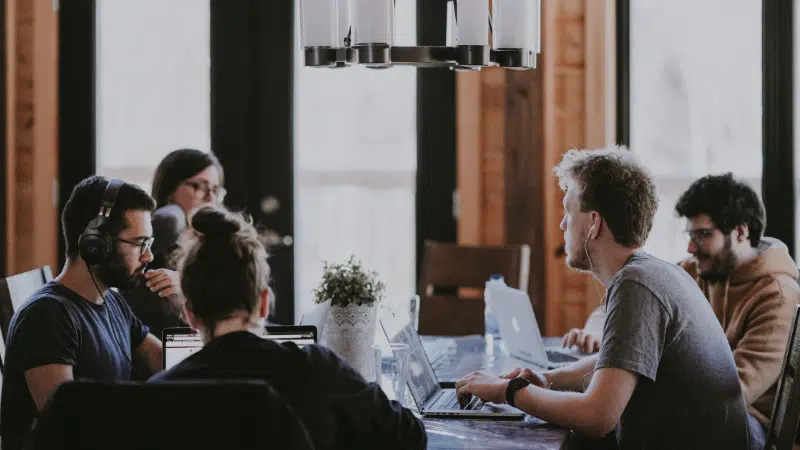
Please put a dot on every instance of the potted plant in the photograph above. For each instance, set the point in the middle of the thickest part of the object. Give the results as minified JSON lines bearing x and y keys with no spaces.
{"x":354,"y":293}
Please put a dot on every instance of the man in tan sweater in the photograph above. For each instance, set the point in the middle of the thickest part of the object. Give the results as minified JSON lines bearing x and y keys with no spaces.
{"x":750,"y":281}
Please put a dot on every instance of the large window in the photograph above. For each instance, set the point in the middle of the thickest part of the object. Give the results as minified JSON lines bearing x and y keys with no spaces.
{"x":695,"y":99}
{"x":152,"y":84}
{"x":355,"y":167}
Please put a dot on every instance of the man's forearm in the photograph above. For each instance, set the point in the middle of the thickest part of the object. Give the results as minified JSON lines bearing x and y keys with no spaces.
{"x":566,"y":409}
{"x":572,"y":377}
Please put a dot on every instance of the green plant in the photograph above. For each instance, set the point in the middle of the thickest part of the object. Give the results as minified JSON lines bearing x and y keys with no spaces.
{"x":348,"y":283}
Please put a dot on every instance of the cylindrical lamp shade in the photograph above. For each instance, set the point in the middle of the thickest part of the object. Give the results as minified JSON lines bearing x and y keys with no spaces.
{"x":472,"y":17}
{"x":373,"y":21}
{"x":318,"y":23}
{"x":514,"y":24}
{"x":452,"y":28}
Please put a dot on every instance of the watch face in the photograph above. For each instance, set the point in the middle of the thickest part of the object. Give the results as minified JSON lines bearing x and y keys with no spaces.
{"x":513,"y":386}
{"x":521,"y":382}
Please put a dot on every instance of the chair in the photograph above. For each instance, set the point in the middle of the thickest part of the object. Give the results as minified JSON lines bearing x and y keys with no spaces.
{"x":14,"y":290}
{"x":170,"y":416}
{"x":456,"y":313}
{"x":783,"y":425}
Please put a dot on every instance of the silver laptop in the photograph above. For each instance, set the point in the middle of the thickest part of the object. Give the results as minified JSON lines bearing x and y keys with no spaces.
{"x":520,"y":331}
{"x":431,"y":399}
{"x":178,"y":343}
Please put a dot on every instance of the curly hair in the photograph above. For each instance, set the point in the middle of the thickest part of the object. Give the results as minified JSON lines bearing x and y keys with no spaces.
{"x":729,"y":202}
{"x":614,"y":183}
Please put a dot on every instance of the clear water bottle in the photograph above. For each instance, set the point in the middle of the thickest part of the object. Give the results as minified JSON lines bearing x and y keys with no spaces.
{"x":490,"y":319}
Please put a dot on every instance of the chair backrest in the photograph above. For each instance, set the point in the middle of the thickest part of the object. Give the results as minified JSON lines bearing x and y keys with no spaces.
{"x":15,"y":289}
{"x":786,"y":410}
{"x":464,"y":269}
{"x":169,"y":416}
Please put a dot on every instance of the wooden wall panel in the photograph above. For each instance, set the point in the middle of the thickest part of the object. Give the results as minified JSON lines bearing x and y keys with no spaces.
{"x":529,"y":119}
{"x":31,"y":139}
{"x":524,"y":177}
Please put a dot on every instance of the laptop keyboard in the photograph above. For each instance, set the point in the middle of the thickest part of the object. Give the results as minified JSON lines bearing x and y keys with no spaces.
{"x":558,"y":357}
{"x":449,"y":400}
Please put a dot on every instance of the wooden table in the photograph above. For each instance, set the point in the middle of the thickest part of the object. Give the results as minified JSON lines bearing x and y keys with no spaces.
{"x":467,"y":352}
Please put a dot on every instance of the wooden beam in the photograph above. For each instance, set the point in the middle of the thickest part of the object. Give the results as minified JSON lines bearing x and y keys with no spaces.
{"x":469,"y":142}
{"x":525,"y":177}
{"x":31,"y":139}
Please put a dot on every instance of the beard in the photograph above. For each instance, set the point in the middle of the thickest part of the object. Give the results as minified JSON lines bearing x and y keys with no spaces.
{"x":118,"y":274}
{"x":580,"y":261}
{"x":722,"y":263}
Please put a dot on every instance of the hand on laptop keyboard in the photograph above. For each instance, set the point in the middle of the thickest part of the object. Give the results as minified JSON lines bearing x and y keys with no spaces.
{"x":586,"y":341}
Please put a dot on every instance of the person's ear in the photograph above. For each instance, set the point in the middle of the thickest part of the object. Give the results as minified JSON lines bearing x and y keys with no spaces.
{"x":263,"y":308}
{"x":190,"y":318}
{"x":742,"y":233}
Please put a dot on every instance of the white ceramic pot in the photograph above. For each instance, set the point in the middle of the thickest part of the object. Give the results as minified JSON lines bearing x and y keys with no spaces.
{"x":350,"y":332}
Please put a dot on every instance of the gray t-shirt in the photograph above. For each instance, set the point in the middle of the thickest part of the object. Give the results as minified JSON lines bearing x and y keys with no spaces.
{"x":660,"y":326}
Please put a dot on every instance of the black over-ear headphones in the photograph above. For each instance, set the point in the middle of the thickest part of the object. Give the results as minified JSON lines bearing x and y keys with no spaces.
{"x":95,"y":245}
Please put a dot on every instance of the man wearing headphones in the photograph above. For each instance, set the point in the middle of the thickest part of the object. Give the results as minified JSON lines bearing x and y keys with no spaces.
{"x":75,"y":326}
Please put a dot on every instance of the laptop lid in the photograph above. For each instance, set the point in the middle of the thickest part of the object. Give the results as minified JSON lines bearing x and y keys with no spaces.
{"x":398,"y":327}
{"x":178,"y":343}
{"x":317,"y":316}
{"x":518,"y":326}
{"x":301,"y":335}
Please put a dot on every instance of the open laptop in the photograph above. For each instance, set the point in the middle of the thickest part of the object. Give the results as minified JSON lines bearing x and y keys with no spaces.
{"x":317,"y":316}
{"x":520,"y":331}
{"x":431,"y":399}
{"x":179,"y":343}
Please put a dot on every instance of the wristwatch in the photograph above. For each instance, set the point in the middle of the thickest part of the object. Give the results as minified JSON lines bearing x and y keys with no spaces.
{"x":513,"y":386}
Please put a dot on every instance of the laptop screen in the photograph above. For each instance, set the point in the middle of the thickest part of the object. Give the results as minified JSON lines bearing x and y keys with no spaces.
{"x":422,"y":381}
{"x":179,"y":343}
{"x":300,"y":335}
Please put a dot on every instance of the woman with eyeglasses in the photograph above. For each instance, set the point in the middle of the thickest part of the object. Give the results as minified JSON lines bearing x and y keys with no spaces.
{"x":184,"y":180}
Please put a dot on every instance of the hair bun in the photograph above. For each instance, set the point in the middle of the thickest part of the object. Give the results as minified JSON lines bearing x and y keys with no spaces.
{"x":215,"y":222}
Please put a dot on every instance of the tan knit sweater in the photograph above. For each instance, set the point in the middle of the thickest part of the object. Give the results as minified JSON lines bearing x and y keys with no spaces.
{"x":755,"y":307}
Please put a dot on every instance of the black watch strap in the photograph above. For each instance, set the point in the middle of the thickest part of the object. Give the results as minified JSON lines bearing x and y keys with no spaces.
{"x":513,"y":386}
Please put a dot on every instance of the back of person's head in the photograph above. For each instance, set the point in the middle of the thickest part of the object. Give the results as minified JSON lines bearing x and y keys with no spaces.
{"x":84,"y":205}
{"x":614,"y":183}
{"x":177,"y":167}
{"x":727,"y":201}
{"x":223,"y":266}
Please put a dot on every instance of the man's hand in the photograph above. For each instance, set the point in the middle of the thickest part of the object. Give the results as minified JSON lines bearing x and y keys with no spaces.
{"x":485,"y":387}
{"x":164,"y":282}
{"x":535,"y":378}
{"x":586,"y":341}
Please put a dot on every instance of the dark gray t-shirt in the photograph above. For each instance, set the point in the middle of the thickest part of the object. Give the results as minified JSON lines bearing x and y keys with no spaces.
{"x":660,"y":326}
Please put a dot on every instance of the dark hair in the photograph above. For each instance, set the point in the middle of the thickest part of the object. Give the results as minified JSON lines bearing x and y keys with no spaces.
{"x":84,"y":205}
{"x":613,"y":183}
{"x":727,"y":201}
{"x":223,"y":265}
{"x":177,"y":167}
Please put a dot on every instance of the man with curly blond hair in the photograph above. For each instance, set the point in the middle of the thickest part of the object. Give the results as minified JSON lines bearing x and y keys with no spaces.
{"x":665,"y":377}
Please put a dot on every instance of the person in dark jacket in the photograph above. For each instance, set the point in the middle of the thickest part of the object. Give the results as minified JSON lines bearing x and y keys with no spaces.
{"x":184,"y":180}
{"x":224,"y":272}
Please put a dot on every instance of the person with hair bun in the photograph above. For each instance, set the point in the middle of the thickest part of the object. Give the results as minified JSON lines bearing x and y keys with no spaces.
{"x":224,"y":272}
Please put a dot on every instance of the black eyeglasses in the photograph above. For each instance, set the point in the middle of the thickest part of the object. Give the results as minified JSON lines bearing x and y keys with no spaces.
{"x":143,"y":245}
{"x":201,"y":191}
{"x":700,"y":235}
